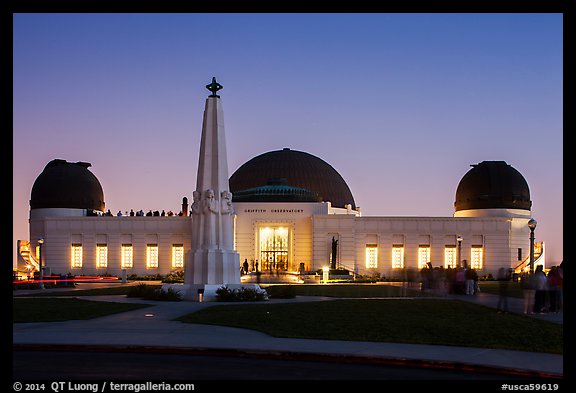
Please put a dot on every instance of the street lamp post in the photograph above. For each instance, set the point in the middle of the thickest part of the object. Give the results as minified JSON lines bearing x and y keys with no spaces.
{"x":532,"y":225}
{"x":40,"y":268}
{"x":458,"y":262}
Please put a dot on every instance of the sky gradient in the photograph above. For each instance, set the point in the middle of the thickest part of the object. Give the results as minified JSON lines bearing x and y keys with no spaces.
{"x":399,"y":104}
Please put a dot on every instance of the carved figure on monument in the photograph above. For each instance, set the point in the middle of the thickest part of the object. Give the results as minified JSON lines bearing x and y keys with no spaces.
{"x":226,"y":201}
{"x":227,"y":211}
{"x":210,"y":212}
{"x":195,"y":208}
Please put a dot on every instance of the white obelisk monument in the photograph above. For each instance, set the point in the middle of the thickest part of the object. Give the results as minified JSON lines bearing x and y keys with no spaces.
{"x":212,"y":261}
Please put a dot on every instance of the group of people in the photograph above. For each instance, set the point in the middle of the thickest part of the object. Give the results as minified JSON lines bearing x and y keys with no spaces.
{"x":461,"y":280}
{"x":543,"y":292}
{"x":140,"y":213}
{"x":245,"y":268}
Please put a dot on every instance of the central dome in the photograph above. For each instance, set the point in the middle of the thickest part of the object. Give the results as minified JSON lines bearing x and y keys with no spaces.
{"x":300,"y":169}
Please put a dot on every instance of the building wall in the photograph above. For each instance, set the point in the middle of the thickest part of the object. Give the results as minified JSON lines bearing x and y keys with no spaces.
{"x":499,"y":237}
{"x":312,"y":227}
{"x":60,"y":233}
{"x":251,"y":216}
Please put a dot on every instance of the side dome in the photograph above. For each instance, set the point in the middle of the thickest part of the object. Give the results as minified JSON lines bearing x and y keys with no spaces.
{"x":68,"y":185}
{"x":301,"y":170}
{"x":492,"y":185}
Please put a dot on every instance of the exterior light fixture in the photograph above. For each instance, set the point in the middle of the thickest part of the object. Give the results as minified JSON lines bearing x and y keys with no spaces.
{"x":532,"y":225}
{"x":325,"y":274}
{"x":459,"y":239}
{"x":40,"y":268}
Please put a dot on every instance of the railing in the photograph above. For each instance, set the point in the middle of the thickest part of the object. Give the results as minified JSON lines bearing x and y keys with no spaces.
{"x":28,"y":257}
{"x":522,"y":265}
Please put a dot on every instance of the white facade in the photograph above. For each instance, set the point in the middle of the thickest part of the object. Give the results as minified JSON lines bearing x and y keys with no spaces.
{"x":282,"y":236}
{"x":385,"y":245}
{"x":157,"y":245}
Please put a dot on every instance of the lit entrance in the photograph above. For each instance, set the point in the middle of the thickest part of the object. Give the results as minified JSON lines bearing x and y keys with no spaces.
{"x":274,"y":248}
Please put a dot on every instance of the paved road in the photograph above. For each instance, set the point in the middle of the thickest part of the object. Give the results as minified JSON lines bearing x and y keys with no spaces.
{"x":158,"y":366}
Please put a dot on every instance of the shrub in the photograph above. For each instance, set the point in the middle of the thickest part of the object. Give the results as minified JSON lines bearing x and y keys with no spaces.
{"x":166,"y":295}
{"x":243,"y":294}
{"x":174,"y":277}
{"x":150,"y":292}
{"x":140,"y":290}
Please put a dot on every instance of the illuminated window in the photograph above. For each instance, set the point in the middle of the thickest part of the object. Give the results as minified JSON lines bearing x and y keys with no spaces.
{"x":371,"y":256}
{"x":177,"y":256}
{"x":101,"y":255}
{"x":397,"y":257}
{"x":152,"y":256}
{"x":423,"y":256}
{"x":76,"y":255}
{"x":449,"y":257}
{"x":477,"y":257}
{"x":127,"y":256}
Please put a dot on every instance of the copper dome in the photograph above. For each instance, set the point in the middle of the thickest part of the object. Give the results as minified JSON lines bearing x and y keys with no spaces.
{"x":492,"y":185}
{"x":300,"y":169}
{"x":69,"y":185}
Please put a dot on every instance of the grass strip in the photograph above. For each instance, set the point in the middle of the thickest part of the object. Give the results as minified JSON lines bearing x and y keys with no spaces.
{"x":344,"y":290}
{"x":416,"y":321}
{"x":119,"y":290}
{"x":54,"y":309}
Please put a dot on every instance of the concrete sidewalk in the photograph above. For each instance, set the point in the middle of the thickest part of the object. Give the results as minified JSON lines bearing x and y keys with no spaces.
{"x":153,"y":328}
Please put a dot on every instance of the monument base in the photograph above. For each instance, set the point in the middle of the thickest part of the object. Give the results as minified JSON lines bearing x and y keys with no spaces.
{"x":204,"y":292}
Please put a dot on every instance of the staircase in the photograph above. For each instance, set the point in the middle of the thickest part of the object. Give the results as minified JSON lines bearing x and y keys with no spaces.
{"x":26,"y":258}
{"x":539,"y":258}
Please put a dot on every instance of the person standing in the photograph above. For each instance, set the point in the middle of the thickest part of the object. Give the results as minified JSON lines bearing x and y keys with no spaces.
{"x":540,"y":285}
{"x":471,"y":279}
{"x":554,"y":286}
{"x":503,"y":281}
{"x":528,"y":290}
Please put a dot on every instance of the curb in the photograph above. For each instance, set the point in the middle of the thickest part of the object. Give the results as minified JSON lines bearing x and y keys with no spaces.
{"x":295,"y":356}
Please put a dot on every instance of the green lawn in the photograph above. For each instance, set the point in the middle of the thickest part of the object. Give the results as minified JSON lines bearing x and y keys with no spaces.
{"x":116,"y":290}
{"x":493,"y":287}
{"x":418,"y":321}
{"x":53,"y":309}
{"x":343,"y":290}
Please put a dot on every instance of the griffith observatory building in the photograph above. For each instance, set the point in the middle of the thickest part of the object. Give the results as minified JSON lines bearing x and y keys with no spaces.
{"x":291,"y":212}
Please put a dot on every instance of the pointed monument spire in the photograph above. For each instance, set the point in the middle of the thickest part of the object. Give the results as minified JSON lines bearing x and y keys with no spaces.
{"x":214,"y":87}
{"x":212,"y":262}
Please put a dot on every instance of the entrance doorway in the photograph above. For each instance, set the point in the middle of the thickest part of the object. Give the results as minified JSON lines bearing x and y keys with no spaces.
{"x":274,"y":248}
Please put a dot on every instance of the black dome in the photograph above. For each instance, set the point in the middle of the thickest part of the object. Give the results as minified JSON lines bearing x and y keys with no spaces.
{"x":492,"y":185}
{"x":301,"y":170}
{"x":67,"y":185}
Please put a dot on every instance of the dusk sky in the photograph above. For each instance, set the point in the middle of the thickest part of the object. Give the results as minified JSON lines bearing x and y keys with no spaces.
{"x":399,"y":104}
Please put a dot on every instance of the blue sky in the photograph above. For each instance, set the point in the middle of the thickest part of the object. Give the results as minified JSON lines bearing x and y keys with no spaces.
{"x":399,"y":104}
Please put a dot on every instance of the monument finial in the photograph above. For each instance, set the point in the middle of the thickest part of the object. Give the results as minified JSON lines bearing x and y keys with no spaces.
{"x":214,"y":87}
